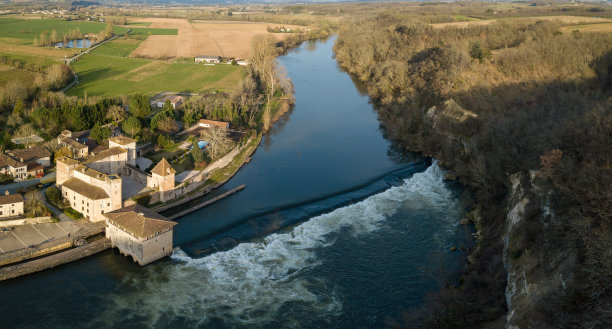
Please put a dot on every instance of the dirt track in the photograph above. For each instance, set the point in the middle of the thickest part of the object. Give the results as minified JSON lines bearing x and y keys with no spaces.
{"x":226,"y":39}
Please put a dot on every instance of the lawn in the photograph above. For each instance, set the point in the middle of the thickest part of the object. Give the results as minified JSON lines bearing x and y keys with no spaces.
{"x":117,"y":48}
{"x":111,"y":76}
{"x":23,"y":32}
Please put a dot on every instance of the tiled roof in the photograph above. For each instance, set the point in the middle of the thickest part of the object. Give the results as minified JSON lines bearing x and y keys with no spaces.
{"x":72,"y":143}
{"x":105,"y":154}
{"x":208,"y":56}
{"x":215,"y":123}
{"x":163,"y":168}
{"x":67,"y":160}
{"x":87,"y":190}
{"x":173,"y":99}
{"x":6,"y":160}
{"x":139,"y":221}
{"x":29,"y":154}
{"x":122,"y":140}
{"x":13,"y":198}
{"x":94,"y":173}
{"x":34,"y":166}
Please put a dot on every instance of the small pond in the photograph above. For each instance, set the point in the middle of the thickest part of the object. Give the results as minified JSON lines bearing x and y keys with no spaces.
{"x":78,"y":43}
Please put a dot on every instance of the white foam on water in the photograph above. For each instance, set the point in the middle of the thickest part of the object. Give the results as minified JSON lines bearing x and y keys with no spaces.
{"x":250,"y":284}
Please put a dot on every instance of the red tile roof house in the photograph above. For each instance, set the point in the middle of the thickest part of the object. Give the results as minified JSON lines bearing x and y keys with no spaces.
{"x":211,"y":123}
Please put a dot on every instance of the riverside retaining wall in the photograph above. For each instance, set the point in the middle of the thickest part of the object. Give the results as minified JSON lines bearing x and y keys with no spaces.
{"x":48,"y":262}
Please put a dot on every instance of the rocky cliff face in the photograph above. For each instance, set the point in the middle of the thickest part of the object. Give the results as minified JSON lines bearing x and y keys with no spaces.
{"x":538,"y":260}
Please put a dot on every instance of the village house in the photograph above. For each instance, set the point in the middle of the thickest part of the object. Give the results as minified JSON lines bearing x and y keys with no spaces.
{"x":38,"y":154}
{"x":126,"y":143}
{"x":175,"y":100}
{"x":11,"y":205}
{"x":204,"y":123}
{"x":162,"y":176}
{"x":12,"y":167}
{"x":207,"y":59}
{"x":34,"y":169}
{"x":78,"y":149}
{"x":140,"y":232}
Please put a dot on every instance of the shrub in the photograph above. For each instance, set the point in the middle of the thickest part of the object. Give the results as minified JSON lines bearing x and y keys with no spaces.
{"x":54,"y":196}
{"x":73,"y":213}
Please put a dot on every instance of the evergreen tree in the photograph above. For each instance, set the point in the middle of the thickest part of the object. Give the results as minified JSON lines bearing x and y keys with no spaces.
{"x":131,"y":126}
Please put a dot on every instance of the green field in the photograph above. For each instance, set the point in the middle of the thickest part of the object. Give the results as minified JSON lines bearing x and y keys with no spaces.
{"x":29,"y":59}
{"x":143,"y":33}
{"x":23,"y":32}
{"x":23,"y":76}
{"x":102,"y":75}
{"x":139,"y":23}
{"x":117,"y":48}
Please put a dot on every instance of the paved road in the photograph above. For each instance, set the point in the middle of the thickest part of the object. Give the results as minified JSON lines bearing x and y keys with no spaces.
{"x":12,"y":188}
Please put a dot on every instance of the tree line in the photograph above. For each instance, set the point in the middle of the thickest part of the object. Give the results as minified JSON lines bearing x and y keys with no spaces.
{"x":489,"y":101}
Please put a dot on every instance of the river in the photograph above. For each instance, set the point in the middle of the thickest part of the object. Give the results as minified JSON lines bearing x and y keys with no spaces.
{"x":335,"y":229}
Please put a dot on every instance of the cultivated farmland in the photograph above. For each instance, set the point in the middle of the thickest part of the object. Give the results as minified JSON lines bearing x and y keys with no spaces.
{"x":226,"y":39}
{"x":101,"y":75}
{"x":23,"y":32}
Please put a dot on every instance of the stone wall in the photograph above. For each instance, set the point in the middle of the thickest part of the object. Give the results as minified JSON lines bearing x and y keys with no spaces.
{"x":127,"y":244}
{"x":136,"y":174}
{"x":25,"y":221}
{"x":53,"y":260}
{"x":157,"y":247}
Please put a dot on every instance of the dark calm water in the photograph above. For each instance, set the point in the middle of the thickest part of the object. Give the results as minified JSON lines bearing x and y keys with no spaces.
{"x":335,"y":229}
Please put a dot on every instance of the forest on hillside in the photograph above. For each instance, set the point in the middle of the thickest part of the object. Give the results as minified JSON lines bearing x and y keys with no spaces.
{"x":490,"y":100}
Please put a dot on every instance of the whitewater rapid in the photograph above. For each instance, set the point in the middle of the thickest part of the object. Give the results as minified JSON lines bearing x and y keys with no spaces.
{"x":257,"y":282}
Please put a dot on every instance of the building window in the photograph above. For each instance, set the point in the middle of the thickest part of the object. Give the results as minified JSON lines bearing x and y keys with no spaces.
{"x":12,"y":211}
{"x":0,"y":213}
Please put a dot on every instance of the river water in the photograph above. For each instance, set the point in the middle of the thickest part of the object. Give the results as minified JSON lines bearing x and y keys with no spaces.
{"x":335,"y":229}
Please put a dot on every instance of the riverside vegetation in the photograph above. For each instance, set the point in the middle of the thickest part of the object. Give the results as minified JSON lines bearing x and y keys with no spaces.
{"x":493,"y":100}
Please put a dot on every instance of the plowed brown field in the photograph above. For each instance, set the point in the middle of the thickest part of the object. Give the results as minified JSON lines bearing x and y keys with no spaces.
{"x":226,"y":39}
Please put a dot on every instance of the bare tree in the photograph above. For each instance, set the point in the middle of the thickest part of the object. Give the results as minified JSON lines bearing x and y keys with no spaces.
{"x":167,"y":125}
{"x":218,"y":141}
{"x":116,"y":113}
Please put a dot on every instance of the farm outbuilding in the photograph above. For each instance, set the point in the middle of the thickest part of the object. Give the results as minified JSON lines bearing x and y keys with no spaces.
{"x":175,"y":100}
{"x":207,"y":59}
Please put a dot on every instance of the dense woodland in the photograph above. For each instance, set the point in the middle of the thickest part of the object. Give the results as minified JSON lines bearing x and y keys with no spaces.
{"x":517,"y":96}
